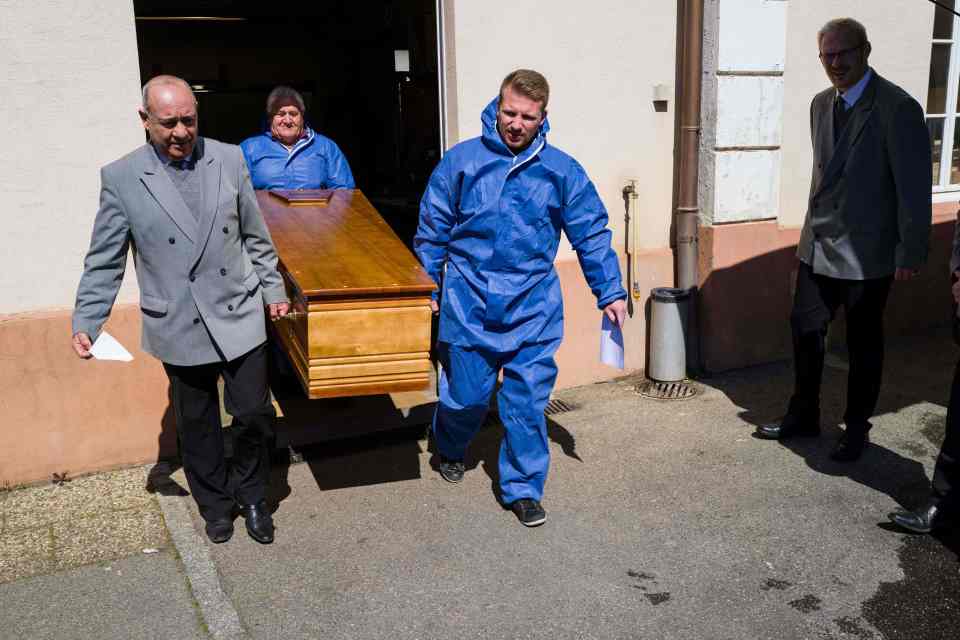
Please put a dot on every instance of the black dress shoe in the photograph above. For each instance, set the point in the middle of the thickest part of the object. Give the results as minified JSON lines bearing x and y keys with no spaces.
{"x":789,"y":427}
{"x":922,"y":521}
{"x":259,"y":522}
{"x":452,"y":470}
{"x":219,"y":530}
{"x":849,"y":447}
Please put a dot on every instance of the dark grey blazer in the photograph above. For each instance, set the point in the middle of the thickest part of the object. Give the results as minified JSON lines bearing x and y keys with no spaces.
{"x":869,"y":210}
{"x":203,"y":283}
{"x":955,"y":254}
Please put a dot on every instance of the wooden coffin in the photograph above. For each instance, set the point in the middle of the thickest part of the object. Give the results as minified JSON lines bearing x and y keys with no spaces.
{"x":360,"y":316}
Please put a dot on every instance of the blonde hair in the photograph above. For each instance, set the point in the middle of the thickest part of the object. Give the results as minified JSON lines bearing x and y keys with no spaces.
{"x":529,"y":83}
{"x":847,"y":25}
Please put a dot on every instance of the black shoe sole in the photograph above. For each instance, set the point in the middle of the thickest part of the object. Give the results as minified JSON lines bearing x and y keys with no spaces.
{"x":216,"y":540}
{"x":261,"y":540}
{"x":785,"y":436}
{"x":907,"y":527}
{"x":534,"y":523}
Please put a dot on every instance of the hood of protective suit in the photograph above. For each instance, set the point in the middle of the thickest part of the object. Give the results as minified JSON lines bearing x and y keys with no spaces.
{"x":491,"y":136}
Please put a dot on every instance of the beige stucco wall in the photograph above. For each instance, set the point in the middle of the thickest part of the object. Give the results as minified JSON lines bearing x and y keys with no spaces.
{"x":68,"y":97}
{"x":70,"y":94}
{"x":602,"y":60}
{"x":901,"y":53}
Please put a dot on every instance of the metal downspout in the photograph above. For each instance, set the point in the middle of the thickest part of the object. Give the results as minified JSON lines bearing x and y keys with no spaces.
{"x":690,"y":65}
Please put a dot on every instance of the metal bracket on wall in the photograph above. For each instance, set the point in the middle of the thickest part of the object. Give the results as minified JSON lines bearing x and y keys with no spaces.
{"x":631,"y":197}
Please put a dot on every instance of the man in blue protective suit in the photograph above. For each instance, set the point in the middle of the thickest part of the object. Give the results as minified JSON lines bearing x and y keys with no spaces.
{"x":291,"y":155}
{"x":490,"y":223}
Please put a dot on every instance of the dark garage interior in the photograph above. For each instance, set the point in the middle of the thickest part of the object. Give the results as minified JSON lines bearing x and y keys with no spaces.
{"x":367,"y":70}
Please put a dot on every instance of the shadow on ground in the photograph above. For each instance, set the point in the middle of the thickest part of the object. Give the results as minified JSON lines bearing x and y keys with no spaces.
{"x":917,"y":370}
{"x":392,"y":456}
{"x":484,"y":451}
{"x":926,"y":602}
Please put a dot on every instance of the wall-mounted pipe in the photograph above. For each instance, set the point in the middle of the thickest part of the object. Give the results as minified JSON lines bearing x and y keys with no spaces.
{"x":690,"y":74}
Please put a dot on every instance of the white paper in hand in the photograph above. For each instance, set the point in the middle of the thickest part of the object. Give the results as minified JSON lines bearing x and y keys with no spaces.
{"x":611,"y":344}
{"x":107,"y":348}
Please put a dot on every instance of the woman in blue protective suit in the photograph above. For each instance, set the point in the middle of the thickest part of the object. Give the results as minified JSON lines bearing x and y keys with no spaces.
{"x":490,"y":223}
{"x":291,"y":155}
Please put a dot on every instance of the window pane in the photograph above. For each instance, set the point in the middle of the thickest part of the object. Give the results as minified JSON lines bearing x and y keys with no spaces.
{"x":937,"y":92}
{"x":935,"y":127}
{"x":943,"y":21}
{"x":955,"y":159}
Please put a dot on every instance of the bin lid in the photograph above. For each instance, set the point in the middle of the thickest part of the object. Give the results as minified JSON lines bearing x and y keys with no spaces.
{"x":669,"y":294}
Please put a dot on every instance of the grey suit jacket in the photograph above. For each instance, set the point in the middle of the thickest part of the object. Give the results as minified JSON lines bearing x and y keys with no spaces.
{"x":203,"y":283}
{"x":869,"y":210}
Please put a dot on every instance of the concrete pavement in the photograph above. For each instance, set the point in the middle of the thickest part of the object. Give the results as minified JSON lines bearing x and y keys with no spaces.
{"x":665,"y":520}
{"x":90,"y":558}
{"x":137,"y":597}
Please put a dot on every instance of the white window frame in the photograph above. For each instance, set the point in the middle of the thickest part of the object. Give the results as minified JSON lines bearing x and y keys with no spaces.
{"x":943,"y":190}
{"x":442,"y":72}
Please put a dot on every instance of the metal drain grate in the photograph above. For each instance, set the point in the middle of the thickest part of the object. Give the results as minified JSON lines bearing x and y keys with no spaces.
{"x":557,"y":406}
{"x":666,"y":390}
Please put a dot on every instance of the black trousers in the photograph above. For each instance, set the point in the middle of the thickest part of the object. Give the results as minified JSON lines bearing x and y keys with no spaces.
{"x":814,"y":306}
{"x":196,"y":404}
{"x":946,"y":473}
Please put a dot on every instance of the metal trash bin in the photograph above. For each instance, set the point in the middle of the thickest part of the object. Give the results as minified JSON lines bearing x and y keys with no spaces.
{"x":668,"y":324}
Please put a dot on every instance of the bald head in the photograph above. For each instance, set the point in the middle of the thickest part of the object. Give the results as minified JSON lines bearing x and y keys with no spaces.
{"x":158,"y":83}
{"x":169,"y":114}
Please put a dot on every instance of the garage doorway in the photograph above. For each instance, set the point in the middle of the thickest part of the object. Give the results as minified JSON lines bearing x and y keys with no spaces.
{"x":367,"y":70}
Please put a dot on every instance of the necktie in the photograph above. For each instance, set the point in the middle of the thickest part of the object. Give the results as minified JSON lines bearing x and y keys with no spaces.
{"x":840,"y":117}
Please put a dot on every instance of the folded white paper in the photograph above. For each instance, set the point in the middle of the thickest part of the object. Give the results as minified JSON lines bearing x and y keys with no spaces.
{"x":611,"y":344}
{"x":106,"y":347}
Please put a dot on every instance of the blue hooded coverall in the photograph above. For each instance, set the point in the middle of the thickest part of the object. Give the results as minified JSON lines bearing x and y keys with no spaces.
{"x":489,"y":229}
{"x":315,"y":162}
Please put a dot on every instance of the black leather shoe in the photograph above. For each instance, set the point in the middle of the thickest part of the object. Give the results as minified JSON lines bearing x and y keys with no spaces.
{"x":451,"y":470}
{"x":219,"y":530}
{"x":259,"y":522}
{"x":849,"y":447}
{"x":922,"y":521}
{"x":790,"y":426}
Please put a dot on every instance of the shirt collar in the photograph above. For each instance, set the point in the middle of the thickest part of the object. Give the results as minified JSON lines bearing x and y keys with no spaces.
{"x":305,"y":137}
{"x":851,"y":95}
{"x":167,"y":162}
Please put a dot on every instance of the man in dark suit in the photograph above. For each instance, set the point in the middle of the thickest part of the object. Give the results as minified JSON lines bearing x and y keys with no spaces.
{"x":944,"y":498}
{"x":205,"y":266}
{"x":867,"y":224}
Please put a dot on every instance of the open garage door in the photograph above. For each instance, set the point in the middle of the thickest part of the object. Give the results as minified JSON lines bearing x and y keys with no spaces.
{"x":367,"y":70}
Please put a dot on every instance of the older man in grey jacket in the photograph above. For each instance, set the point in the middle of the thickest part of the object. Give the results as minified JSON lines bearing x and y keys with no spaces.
{"x":205,"y":265}
{"x":868,"y":224}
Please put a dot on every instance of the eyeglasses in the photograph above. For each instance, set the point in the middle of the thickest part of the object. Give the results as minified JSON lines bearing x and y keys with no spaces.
{"x":830,"y":56}
{"x":171,"y":123}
